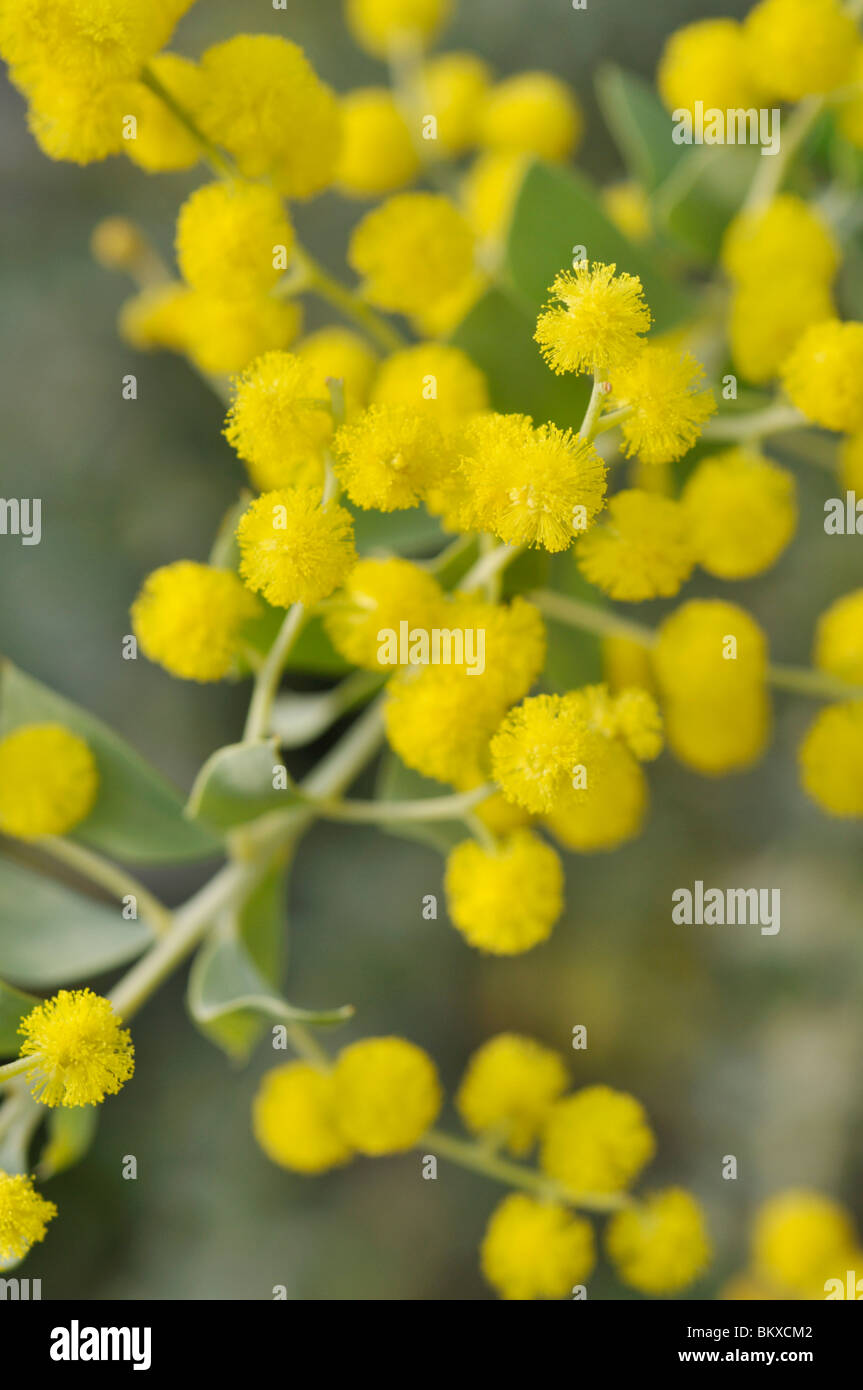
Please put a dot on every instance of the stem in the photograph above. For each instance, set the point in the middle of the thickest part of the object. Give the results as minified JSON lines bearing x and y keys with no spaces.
{"x":615,"y":417}
{"x":307,"y":1046}
{"x":299,"y":719}
{"x":319,"y":281}
{"x":587,"y":429}
{"x":587,"y":616}
{"x":267,"y":679}
{"x":481,"y":833}
{"x":430,"y":808}
{"x":217,"y":160}
{"x":489,"y":565}
{"x":104,"y":874}
{"x":754,"y":425}
{"x":772,"y":169}
{"x":470,"y":1155}
{"x":819,"y":684}
{"x":18,"y":1067}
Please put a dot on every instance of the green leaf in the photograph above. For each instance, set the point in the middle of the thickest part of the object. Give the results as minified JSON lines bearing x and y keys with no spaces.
{"x":639,"y":123}
{"x":51,"y":936}
{"x":702,"y":194}
{"x":395,"y":782}
{"x":410,"y":532}
{"x":71,"y":1131}
{"x":574,"y":657}
{"x":235,"y":786}
{"x":14,"y":1005}
{"x":138,"y":816}
{"x":558,"y":209}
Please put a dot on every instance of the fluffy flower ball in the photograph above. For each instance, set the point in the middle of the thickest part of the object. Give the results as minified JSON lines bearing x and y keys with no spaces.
{"x":377,"y":596}
{"x":85,"y":41}
{"x":669,"y":405}
{"x":802,"y":47}
{"x":24,"y":1216}
{"x":769,"y":316}
{"x":387,"y":1094}
{"x":338,"y":354}
{"x":831,"y":759}
{"x":381,"y":26}
{"x":708,"y":61}
{"x":294,"y":1119}
{"x":390,"y":457}
{"x":775,"y":241}
{"x":48,"y":781}
{"x":378,"y":154}
{"x":822,"y":376}
{"x":508,"y":1088}
{"x":597,"y":1140}
{"x":456,"y":85}
{"x":694,"y":653}
{"x":641,"y":549}
{"x":597,"y":322}
{"x":661,"y":1244}
{"x":227,"y":239}
{"x":610,"y":809}
{"x":741,"y":512}
{"x":839,"y":639}
{"x":279,"y":418}
{"x":293,"y":549}
{"x":189,"y":618}
{"x":507,"y":900}
{"x":436,"y":377}
{"x":799,"y":1239}
{"x":413,"y":249}
{"x":531,"y":113}
{"x":80,"y":1053}
{"x":535,"y":750}
{"x":536,"y":1249}
{"x":161,"y":141}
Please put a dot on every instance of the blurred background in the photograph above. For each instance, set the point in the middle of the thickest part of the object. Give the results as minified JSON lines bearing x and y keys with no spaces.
{"x":737,"y":1043}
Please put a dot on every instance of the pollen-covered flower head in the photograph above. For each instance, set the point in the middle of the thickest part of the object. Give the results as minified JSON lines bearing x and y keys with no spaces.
{"x":377,"y":597}
{"x":799,"y":1239}
{"x":293,"y":547}
{"x":161,"y":141}
{"x":411,"y":251}
{"x":785,"y":237}
{"x":189,"y":618}
{"x":489,"y":190}
{"x":266,"y":105}
{"x":381,"y":27}
{"x":839,"y":639}
{"x":640,"y":549}
{"x":533,"y":485}
{"x":507,"y":900}
{"x":659,"y":1245}
{"x":435,"y":377}
{"x":390,"y":456}
{"x":48,"y":781}
{"x":635,"y":718}
{"x":822,"y":376}
{"x":535,"y":750}
{"x":768,"y":318}
{"x":741,"y":512}
{"x":716,"y":733}
{"x":597,"y":1140}
{"x":338,"y":354}
{"x":378,"y":154}
{"x":456,"y":85}
{"x":280,"y":417}
{"x":439,"y":720}
{"x":515,"y":642}
{"x":225,"y":335}
{"x":605,"y":801}
{"x":80,"y":1052}
{"x":597,"y":323}
{"x":228,"y":235}
{"x":706,"y":646}
{"x":831,"y":759}
{"x":294,"y":1118}
{"x":24,"y":1216}
{"x":801,"y":47}
{"x":535,"y":1249}
{"x":532,"y":113}
{"x":708,"y":61}
{"x":92,"y":42}
{"x":71,"y":121}
{"x":387,"y":1094}
{"x":507,"y":1090}
{"x":669,"y":404}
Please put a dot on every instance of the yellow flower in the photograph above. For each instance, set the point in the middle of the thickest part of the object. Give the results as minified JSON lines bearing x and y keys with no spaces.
{"x":280,"y":417}
{"x":410,"y":251}
{"x":641,"y":548}
{"x":626,"y":205}
{"x":116,"y":243}
{"x":435,"y":377}
{"x":381,"y":26}
{"x":786,"y":237}
{"x":801,"y":47}
{"x":596,"y":1141}
{"x":378,"y":596}
{"x":455,"y":85}
{"x":822,"y":375}
{"x":536,"y":749}
{"x":515,"y":643}
{"x":597,"y":324}
{"x":24,"y":1216}
{"x":768,"y":318}
{"x":189,"y":618}
{"x":609,"y":809}
{"x":390,"y":456}
{"x":800,"y":1239}
{"x":80,"y":1053}
{"x":721,"y":734}
{"x":708,"y":61}
{"x":669,"y":406}
{"x":228,"y":238}
{"x":507,"y":900}
{"x":531,"y":485}
{"x":69,"y":120}
{"x":637,"y":720}
{"x":267,"y":106}
{"x":439,"y":721}
{"x":507,"y":1090}
{"x":48,"y":781}
{"x":661,"y":1244}
{"x":831,"y":759}
{"x":626,"y":663}
{"x":851,"y":464}
{"x":83,"y":40}
{"x":293,"y":548}
{"x":226,"y":335}
{"x":387,"y":1094}
{"x":709,"y":647}
{"x":344,"y":356}
{"x":741,"y":511}
{"x":536,"y":1249}
{"x":532,"y":113}
{"x":161,"y":141}
{"x":294,"y":1118}
{"x":440,"y":317}
{"x":489,"y":191}
{"x":378,"y":154}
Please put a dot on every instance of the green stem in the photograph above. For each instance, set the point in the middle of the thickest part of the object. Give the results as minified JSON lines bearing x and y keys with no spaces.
{"x":598,"y":394}
{"x":753,"y":425}
{"x":217,"y":160}
{"x":590,"y":618}
{"x":489,"y":565}
{"x":17,"y":1068}
{"x":319,"y":281}
{"x":104,"y":874}
{"x":307,"y":1046}
{"x":615,"y":417}
{"x":267,"y":678}
{"x":431,"y":808}
{"x":818,"y":684}
{"x":772,"y":169}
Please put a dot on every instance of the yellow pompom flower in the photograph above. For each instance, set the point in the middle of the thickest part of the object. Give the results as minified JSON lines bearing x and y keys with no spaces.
{"x":507,"y":900}
{"x":377,"y":597}
{"x":116,"y":243}
{"x":387,"y":1094}
{"x":267,"y":106}
{"x":225,"y":335}
{"x":530,"y":485}
{"x":79,"y":1052}
{"x":768,"y":318}
{"x":86,"y":41}
{"x":294,"y":1119}
{"x":72,"y":121}
{"x":390,"y":456}
{"x":532,"y":113}
{"x":783,"y":238}
{"x":340,"y":355}
{"x":228,"y":237}
{"x":707,"y":647}
{"x":641,"y":549}
{"x":536,"y":749}
{"x":536,"y":1249}
{"x":189,"y":618}
{"x":499,"y":815}
{"x":508,"y":1088}
{"x":661,"y":1244}
{"x":822,"y":375}
{"x":831,"y":759}
{"x":722,"y":734}
{"x":638,"y":722}
{"x":489,"y":191}
{"x":851,"y":464}
{"x":626,"y":205}
{"x":708,"y":61}
{"x":439,"y":318}
{"x":596,"y":1141}
{"x":161,"y":141}
{"x":293,"y":547}
{"x":741,"y":511}
{"x":24,"y":1216}
{"x":156,"y":317}
{"x":412,"y":250}
{"x":515,"y":643}
{"x":455,"y":86}
{"x":801,"y":47}
{"x":596,"y":325}
{"x":609,"y":809}
{"x":48,"y":781}
{"x":382,"y":26}
{"x":626,"y":663}
{"x":378,"y":154}
{"x":440,"y":720}
{"x":669,"y":405}
{"x":435,"y":377}
{"x":280,"y":415}
{"x":799,"y":1239}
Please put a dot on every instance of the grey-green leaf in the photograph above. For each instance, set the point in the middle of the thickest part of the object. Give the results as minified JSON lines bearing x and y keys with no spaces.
{"x":235,"y":786}
{"x":639,"y":123}
{"x":396,"y":782}
{"x":71,"y":1131}
{"x":14,"y":1005}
